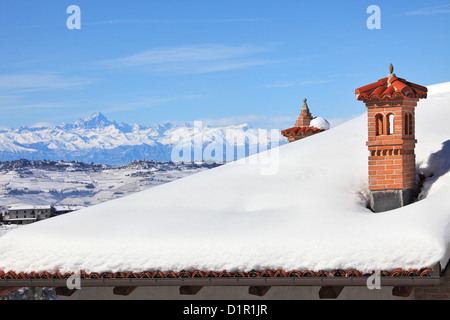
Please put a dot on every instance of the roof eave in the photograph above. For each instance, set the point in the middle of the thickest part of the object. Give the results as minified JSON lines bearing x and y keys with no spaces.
{"x":398,"y":277}
{"x":215,"y":281}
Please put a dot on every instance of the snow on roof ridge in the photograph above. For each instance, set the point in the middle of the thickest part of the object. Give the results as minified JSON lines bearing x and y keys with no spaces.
{"x":26,"y":207}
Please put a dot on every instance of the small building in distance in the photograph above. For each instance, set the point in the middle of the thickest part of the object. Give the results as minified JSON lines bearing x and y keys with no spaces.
{"x":23,"y":214}
{"x":305,"y":125}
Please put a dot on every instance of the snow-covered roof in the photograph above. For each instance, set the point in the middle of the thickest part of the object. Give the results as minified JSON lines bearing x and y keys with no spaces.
{"x":308,"y":212}
{"x":28,"y":207}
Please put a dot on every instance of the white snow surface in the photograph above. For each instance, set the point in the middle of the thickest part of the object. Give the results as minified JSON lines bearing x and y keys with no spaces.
{"x":320,"y":123}
{"x":310,"y":214}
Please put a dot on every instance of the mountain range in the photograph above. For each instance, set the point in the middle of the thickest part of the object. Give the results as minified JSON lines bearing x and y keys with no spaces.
{"x":96,"y":139}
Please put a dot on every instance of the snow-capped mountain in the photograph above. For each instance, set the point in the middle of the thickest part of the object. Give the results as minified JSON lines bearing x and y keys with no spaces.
{"x":99,"y":140}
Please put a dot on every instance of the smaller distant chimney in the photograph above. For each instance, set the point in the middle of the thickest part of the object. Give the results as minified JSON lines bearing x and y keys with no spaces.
{"x":302,"y":127}
{"x":304,"y":119}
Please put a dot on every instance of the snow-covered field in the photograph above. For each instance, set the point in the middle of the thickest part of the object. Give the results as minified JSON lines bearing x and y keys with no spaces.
{"x":74,"y":183}
{"x":309,"y":214}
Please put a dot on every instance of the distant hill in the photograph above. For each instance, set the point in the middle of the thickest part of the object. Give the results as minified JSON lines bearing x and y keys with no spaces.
{"x":49,"y":182}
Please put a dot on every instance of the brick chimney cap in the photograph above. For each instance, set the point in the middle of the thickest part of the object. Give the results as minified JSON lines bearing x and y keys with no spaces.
{"x":390,"y":88}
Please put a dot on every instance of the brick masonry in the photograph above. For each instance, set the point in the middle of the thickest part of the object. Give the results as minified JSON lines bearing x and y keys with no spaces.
{"x":391,"y":143}
{"x":304,"y":118}
{"x":436,"y":292}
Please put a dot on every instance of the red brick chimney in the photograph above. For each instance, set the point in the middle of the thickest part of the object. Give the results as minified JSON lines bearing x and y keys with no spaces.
{"x":391,"y":103}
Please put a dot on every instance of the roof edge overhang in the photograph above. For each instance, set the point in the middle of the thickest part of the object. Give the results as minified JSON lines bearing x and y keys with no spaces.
{"x":300,"y":131}
{"x":256,"y":281}
{"x":391,"y":89}
{"x":398,"y":277}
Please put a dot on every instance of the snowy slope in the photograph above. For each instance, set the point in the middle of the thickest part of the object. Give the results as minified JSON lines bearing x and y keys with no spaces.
{"x":96,"y":139}
{"x":309,"y":214}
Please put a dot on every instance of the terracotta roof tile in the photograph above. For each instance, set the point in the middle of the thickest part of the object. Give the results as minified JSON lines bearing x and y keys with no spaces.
{"x":11,"y":275}
{"x":298,"y":131}
{"x":390,"y":88}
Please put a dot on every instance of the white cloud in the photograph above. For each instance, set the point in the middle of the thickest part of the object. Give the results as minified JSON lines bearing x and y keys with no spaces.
{"x":9,"y":99}
{"x":144,"y":102}
{"x":17,"y":86}
{"x":442,"y":9}
{"x":173,"y":21}
{"x":193,"y":59}
{"x":40,"y":82}
{"x":296,"y":84}
{"x":33,"y":106}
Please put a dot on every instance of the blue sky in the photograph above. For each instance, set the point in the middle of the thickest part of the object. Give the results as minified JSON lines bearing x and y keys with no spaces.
{"x":224,"y":62}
